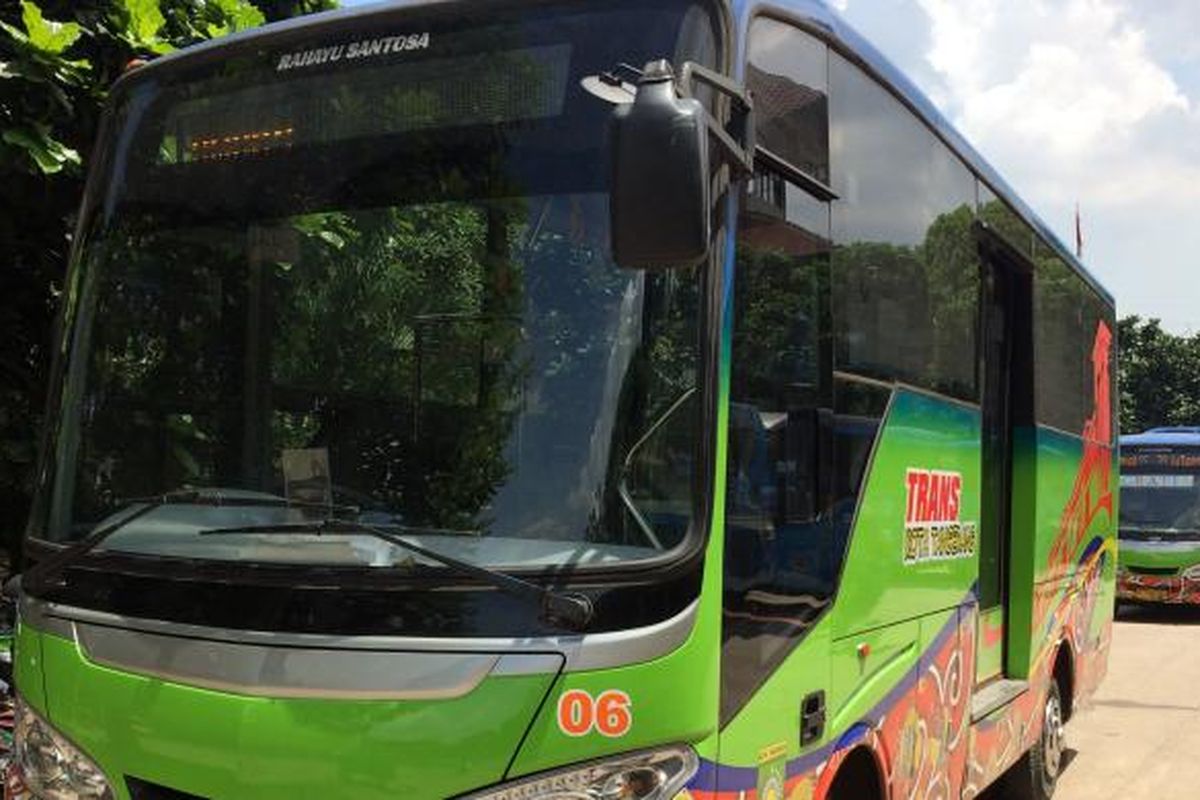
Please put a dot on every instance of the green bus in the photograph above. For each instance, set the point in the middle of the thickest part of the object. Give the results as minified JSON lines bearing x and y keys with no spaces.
{"x":561,"y":400}
{"x":1160,"y":517}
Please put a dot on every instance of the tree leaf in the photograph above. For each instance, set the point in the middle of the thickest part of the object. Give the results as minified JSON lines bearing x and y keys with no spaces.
{"x":241,"y":14}
{"x":15,"y":33}
{"x":146,"y":20}
{"x":47,"y":35}
{"x":49,"y":154}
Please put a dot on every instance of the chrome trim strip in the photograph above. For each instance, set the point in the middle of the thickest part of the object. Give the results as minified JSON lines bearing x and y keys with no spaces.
{"x":528,"y":664}
{"x":32,"y":612}
{"x":265,"y":671}
{"x":570,"y":653}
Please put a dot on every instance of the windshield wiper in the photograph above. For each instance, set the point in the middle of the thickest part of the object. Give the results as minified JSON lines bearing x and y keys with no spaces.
{"x":39,"y":577}
{"x":214,"y":497}
{"x":564,"y":608}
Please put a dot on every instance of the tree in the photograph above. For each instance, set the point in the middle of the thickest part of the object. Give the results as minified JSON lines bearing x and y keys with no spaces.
{"x":1159,"y":376}
{"x":57,"y":60}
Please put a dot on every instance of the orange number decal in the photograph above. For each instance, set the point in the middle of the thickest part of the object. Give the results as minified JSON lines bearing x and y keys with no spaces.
{"x":576,"y":712}
{"x":609,"y":713}
{"x":612,"y":713}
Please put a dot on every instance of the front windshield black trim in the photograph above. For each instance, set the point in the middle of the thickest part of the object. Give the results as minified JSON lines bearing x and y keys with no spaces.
{"x":352,"y":601}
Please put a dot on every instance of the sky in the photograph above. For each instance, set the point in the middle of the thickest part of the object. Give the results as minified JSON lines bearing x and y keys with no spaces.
{"x":1095,"y":102}
{"x":1088,"y":102}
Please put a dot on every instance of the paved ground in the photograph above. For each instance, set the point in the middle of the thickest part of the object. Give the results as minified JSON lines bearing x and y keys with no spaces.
{"x":1141,"y":738}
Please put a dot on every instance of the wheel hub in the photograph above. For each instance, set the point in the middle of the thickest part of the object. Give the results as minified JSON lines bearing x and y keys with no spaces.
{"x":1053,"y":737}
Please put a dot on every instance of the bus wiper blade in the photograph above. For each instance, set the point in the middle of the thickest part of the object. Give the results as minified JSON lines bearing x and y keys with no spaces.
{"x":209,"y":497}
{"x":309,"y":526}
{"x":38,"y":579}
{"x":40,"y":576}
{"x":564,"y":608}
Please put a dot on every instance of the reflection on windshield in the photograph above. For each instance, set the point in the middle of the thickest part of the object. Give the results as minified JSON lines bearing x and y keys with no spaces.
{"x":413,"y":313}
{"x":1160,"y":502}
{"x":459,"y":366}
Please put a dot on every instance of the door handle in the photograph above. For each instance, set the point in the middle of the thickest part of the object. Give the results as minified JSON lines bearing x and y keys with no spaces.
{"x":812,"y":718}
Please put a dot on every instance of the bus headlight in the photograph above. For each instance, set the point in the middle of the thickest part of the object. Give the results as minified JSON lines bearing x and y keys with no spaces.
{"x":648,"y":775}
{"x":52,"y":767}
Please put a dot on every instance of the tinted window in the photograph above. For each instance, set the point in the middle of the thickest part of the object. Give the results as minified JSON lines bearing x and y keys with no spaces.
{"x":1067,"y":315}
{"x":996,"y":214}
{"x":905,"y":277}
{"x":400,"y":301}
{"x":782,"y":555}
{"x":787,"y":76}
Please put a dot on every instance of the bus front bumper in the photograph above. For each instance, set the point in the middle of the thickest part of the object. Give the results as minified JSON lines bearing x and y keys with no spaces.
{"x":1182,"y":588}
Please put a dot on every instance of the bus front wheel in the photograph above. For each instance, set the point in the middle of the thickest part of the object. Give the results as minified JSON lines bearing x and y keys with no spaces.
{"x":1034,"y":776}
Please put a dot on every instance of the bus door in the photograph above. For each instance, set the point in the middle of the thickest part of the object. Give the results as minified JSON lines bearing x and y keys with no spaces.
{"x":1007,"y":402}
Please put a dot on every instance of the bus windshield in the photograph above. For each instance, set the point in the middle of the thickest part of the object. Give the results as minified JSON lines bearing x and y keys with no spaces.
{"x":364,"y":268}
{"x":1160,"y":490}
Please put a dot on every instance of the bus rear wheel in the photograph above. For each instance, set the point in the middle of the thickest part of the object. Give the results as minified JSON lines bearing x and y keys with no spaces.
{"x":1035,"y":775}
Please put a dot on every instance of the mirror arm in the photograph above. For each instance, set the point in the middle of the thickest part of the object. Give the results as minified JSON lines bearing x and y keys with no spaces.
{"x":739,"y":150}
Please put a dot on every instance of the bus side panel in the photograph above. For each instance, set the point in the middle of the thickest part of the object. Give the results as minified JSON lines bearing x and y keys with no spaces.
{"x":1063,"y":554}
{"x":914,"y":549}
{"x":894,"y":657}
{"x":1063,"y":575}
{"x":760,"y":748}
{"x":1081,"y":621}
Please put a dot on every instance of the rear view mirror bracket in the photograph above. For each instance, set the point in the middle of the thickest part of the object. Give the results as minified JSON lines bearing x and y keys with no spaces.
{"x":738,"y":144}
{"x":662,"y":197}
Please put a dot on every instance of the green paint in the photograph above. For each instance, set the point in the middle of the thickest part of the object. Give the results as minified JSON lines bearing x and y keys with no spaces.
{"x":878,"y":588}
{"x":27,"y":666}
{"x":1180,"y":558}
{"x":880,"y":628}
{"x":223,"y":745}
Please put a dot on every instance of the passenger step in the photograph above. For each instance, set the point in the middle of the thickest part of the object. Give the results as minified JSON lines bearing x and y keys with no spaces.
{"x":995,"y":694}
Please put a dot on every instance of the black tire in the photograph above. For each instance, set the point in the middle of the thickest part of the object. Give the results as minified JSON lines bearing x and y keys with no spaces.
{"x":857,"y":779}
{"x":1035,"y":775}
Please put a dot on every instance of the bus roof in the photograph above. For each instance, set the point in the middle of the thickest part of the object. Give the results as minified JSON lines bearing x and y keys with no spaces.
{"x":818,"y":17}
{"x":1181,"y":436}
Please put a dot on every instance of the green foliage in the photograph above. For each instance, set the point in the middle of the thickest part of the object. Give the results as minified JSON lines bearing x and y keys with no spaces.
{"x":1159,"y":376}
{"x":144,"y":21}
{"x":58,"y":59}
{"x":48,"y":154}
{"x":43,"y":35}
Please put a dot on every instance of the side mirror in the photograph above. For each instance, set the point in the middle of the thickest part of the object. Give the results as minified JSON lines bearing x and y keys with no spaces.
{"x":660,"y":204}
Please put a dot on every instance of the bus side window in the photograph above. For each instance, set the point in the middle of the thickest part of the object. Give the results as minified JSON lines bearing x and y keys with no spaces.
{"x":782,"y":558}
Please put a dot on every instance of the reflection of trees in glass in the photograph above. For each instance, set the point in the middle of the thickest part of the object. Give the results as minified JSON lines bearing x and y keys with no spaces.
{"x":657,"y":418}
{"x":1066,"y":316}
{"x":324,"y":322}
{"x":467,"y":365}
{"x":401,"y":327}
{"x":1004,"y":221}
{"x":778,"y":317}
{"x":152,"y":357}
{"x":911,"y":313}
{"x":952,"y":269}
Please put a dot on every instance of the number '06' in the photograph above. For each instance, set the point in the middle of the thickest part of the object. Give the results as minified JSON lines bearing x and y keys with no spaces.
{"x":608,"y":713}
